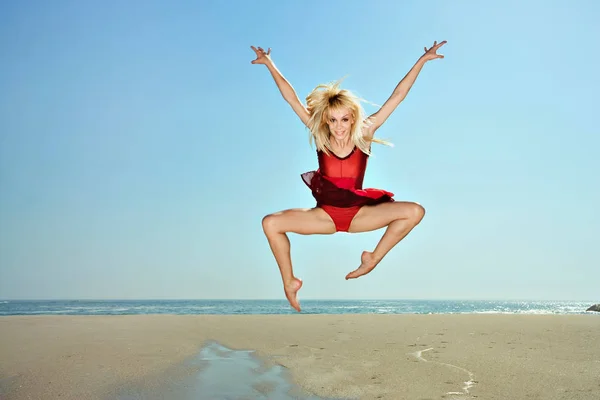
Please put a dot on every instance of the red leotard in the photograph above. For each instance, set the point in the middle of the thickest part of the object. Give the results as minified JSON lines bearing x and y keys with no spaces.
{"x":337,"y":187}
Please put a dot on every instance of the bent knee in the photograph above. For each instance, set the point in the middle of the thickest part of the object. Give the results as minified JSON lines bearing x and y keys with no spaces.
{"x":274,"y":223}
{"x":418,"y":212}
{"x":269,"y":223}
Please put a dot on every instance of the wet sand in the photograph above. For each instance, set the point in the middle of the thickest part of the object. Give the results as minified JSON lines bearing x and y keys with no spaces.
{"x":421,"y":357}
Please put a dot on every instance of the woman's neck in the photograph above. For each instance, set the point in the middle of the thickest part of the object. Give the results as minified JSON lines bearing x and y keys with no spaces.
{"x":341,"y":145}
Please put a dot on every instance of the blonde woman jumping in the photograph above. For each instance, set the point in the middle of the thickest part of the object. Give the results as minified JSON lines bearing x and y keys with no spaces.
{"x":343,"y":135}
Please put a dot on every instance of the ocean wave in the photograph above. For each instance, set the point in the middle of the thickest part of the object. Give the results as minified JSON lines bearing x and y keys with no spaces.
{"x":236,"y":307}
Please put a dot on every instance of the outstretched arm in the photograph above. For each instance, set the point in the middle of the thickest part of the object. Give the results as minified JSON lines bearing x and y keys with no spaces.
{"x":403,"y":88}
{"x":286,"y":89}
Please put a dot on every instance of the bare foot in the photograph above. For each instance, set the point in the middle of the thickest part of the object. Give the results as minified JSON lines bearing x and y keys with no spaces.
{"x":368,"y":263}
{"x":291,"y":289}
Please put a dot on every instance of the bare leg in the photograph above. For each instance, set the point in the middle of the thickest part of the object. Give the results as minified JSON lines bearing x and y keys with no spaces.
{"x":399,"y":217}
{"x":301,"y":221}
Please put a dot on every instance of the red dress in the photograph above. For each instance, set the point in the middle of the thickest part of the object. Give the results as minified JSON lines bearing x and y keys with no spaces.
{"x":337,"y":187}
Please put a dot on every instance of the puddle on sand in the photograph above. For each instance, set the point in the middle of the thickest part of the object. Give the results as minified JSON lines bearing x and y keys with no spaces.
{"x":225,"y":374}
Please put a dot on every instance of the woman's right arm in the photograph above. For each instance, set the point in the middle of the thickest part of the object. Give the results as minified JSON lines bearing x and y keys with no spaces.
{"x":286,"y":89}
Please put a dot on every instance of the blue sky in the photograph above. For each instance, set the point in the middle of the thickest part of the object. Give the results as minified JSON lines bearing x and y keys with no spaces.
{"x":140,"y":149}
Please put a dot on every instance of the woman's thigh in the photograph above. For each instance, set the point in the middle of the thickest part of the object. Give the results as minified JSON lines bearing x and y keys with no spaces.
{"x":304,"y":221}
{"x":370,"y":218}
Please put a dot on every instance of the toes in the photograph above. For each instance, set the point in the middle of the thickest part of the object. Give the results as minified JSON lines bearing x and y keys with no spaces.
{"x":352,"y":275}
{"x":295,"y":305}
{"x":291,"y":295}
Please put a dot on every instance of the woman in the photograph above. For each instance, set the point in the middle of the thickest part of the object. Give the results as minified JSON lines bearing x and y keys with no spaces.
{"x":343,"y":138}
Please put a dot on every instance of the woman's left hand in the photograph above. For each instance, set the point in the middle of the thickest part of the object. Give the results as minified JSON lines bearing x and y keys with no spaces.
{"x":430,"y":54}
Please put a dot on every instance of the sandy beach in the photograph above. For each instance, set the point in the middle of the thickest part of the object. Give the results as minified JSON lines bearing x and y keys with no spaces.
{"x":421,"y":357}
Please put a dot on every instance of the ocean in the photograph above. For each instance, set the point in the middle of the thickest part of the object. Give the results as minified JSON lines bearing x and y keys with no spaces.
{"x":236,"y":307}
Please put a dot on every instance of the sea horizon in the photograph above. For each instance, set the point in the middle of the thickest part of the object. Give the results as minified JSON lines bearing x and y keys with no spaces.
{"x":283,"y":299}
{"x":10,"y":307}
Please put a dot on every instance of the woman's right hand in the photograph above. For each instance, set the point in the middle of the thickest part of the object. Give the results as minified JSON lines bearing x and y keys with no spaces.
{"x":262,"y":57}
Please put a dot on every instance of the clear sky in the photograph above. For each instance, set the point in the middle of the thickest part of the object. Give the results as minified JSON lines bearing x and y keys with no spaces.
{"x":140,"y":149}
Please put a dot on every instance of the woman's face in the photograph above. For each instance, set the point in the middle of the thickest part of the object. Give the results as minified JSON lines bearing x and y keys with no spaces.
{"x":340,"y":123}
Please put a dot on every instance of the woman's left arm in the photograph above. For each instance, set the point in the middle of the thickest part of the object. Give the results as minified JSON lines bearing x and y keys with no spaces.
{"x":402,"y":89}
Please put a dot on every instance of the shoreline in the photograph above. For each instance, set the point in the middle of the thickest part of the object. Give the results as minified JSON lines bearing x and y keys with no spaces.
{"x":366,"y":356}
{"x":281,"y":307}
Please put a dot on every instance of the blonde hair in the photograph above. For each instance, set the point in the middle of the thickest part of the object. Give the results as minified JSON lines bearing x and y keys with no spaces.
{"x":329,"y":97}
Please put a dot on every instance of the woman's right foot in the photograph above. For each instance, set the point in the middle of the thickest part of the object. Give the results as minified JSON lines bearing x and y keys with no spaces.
{"x":367,"y":264}
{"x":291,"y":290}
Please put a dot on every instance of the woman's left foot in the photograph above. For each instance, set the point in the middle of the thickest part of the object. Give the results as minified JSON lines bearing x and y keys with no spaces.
{"x":368,"y":263}
{"x":291,"y":291}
